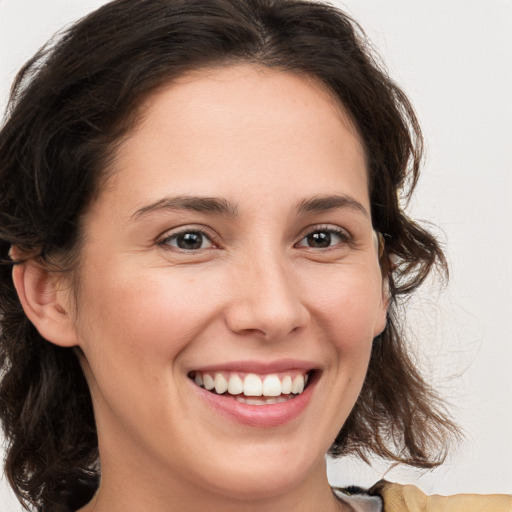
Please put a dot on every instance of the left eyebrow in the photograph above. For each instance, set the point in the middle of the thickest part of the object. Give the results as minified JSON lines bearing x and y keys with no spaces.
{"x":331,"y":202}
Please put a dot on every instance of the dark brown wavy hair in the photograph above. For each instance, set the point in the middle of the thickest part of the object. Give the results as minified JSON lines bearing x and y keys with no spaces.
{"x":70,"y":105}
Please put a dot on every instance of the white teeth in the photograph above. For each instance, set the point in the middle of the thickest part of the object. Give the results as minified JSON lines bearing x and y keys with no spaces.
{"x":221,"y":384}
{"x":256,"y":401}
{"x":271,"y":386}
{"x":208,"y":382}
{"x":251,"y":401}
{"x":252,"y":385}
{"x":298,"y":384}
{"x":235,"y":385}
{"x":286,"y":385}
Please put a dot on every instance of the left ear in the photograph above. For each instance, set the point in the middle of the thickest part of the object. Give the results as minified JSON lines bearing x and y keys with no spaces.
{"x":386,"y":298}
{"x":384,"y":306}
{"x":46,"y":301}
{"x":385,"y":267}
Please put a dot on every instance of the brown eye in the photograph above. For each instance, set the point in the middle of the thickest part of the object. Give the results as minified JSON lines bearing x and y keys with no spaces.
{"x":322,"y":239}
{"x":188,"y":241}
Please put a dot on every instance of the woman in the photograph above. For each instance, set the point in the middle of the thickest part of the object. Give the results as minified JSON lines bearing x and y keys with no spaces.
{"x":206,"y":246}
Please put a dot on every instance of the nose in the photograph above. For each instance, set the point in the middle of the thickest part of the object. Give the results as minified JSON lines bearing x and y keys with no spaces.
{"x":265,"y":300}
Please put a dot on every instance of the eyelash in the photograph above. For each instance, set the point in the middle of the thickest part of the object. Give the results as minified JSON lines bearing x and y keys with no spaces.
{"x":345,"y":238}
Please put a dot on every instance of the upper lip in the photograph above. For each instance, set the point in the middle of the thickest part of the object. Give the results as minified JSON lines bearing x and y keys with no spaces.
{"x":260,"y":367}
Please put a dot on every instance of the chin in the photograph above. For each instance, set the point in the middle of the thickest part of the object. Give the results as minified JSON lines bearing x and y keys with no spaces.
{"x":264,"y":472}
{"x":266,"y":482}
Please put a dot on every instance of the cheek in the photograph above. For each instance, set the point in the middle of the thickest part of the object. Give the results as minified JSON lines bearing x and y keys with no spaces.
{"x":141,"y":316}
{"x":134,"y":332}
{"x":349,"y":305}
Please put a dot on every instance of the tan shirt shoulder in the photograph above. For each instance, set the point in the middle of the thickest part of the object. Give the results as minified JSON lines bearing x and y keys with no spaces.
{"x":408,"y":498}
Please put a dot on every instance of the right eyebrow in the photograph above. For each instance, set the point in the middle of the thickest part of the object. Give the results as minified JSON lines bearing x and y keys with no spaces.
{"x":214,"y":205}
{"x":331,"y":202}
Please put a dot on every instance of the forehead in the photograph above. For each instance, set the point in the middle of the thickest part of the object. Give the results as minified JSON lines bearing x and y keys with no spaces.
{"x":224,"y":131}
{"x":230,"y":85}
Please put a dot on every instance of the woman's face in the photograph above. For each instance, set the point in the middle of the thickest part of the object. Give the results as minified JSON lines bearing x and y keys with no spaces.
{"x":234,"y":244}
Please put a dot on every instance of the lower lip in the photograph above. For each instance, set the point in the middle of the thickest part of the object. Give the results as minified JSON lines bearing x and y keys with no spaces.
{"x":269,"y":415}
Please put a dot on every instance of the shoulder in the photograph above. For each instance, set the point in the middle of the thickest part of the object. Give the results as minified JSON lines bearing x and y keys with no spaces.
{"x":358,"y":499}
{"x":408,"y":498}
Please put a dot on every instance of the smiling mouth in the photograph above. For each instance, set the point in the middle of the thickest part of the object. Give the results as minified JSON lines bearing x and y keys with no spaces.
{"x":252,"y":388}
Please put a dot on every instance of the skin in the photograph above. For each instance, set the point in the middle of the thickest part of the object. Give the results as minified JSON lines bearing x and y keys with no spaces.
{"x":146,"y":312}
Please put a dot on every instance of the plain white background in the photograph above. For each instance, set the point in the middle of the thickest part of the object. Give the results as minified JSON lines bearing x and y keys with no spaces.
{"x":454,"y":60}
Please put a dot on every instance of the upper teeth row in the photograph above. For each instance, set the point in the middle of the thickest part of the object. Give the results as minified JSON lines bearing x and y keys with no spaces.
{"x":252,"y":384}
